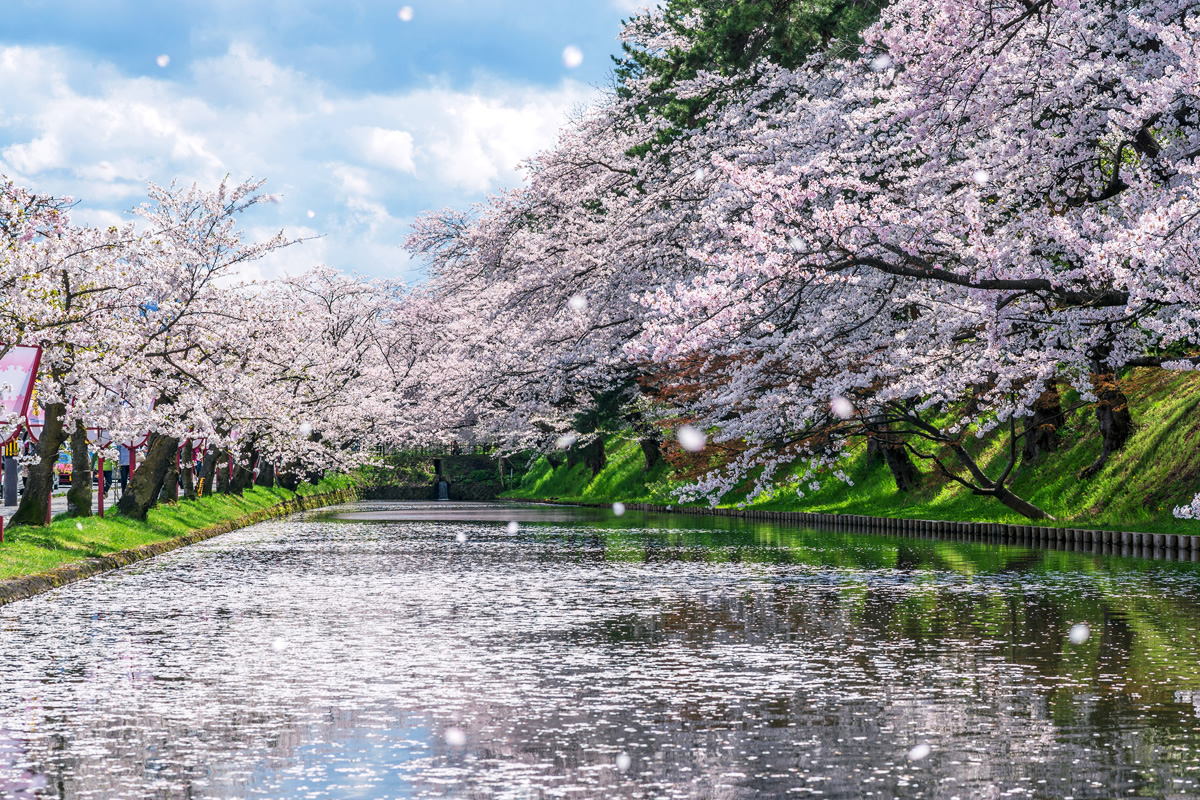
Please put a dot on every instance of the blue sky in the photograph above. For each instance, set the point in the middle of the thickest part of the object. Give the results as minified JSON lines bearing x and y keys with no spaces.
{"x":358,"y":119}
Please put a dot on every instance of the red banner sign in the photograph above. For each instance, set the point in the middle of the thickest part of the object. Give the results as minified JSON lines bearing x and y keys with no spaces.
{"x":18,"y":372}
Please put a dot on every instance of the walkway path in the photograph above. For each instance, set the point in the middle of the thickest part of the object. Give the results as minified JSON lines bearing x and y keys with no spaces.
{"x":59,"y":504}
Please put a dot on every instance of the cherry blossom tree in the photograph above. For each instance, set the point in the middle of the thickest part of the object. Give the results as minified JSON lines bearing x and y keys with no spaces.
{"x":942,"y":227}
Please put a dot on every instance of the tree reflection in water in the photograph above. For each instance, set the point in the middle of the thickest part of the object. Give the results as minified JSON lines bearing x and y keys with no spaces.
{"x":709,"y":657}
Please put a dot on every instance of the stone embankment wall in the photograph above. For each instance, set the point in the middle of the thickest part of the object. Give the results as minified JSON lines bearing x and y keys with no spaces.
{"x":1127,"y":543}
{"x":15,"y":589}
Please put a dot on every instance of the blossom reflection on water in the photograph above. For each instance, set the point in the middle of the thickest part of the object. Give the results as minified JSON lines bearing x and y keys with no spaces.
{"x":368,"y":652}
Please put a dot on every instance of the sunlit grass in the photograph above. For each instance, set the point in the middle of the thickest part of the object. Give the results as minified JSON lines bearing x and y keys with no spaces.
{"x":1138,"y":489}
{"x":623,"y":478}
{"x":30,"y":550}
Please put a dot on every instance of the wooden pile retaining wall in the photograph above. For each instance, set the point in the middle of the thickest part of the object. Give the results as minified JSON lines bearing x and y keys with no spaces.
{"x":1180,"y":547}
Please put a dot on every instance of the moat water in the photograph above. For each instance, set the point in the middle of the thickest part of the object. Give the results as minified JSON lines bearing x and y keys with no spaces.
{"x":436,"y":651}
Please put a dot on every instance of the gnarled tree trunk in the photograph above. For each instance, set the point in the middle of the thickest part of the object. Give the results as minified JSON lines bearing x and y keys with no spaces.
{"x":1041,"y":430}
{"x":894,"y":454}
{"x":170,"y":487}
{"x":1112,"y":414}
{"x":651,"y":451}
{"x":986,"y":487}
{"x":40,"y":486}
{"x":591,"y":455}
{"x":146,"y":483}
{"x":79,"y":496}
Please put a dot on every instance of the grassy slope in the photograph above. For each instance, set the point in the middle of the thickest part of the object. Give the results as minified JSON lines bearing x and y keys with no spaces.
{"x":28,"y":550}
{"x":1137,"y":490}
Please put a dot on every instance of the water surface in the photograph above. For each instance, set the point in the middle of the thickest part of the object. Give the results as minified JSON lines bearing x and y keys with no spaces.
{"x":426,"y":650}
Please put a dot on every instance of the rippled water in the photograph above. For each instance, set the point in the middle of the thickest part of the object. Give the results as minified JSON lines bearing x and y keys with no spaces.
{"x":367,"y":652}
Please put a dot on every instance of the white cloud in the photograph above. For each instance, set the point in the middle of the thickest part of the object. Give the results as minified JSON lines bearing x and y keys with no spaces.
{"x":367,"y":164}
{"x":388,"y":148}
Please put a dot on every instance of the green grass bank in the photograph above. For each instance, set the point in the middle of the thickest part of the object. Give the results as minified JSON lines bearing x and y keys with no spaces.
{"x":29,"y":551}
{"x":1138,"y":489}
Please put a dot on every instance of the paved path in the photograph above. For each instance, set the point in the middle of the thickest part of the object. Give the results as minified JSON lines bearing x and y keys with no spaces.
{"x":59,"y":504}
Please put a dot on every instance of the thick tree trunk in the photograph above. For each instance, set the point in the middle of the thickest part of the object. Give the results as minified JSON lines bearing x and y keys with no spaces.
{"x":651,"y":452}
{"x":243,"y":471}
{"x":186,"y":461}
{"x":266,"y":475}
{"x":1112,"y":414}
{"x":985,"y":486}
{"x":222,"y":479}
{"x":591,"y":455}
{"x":290,"y":479}
{"x":895,"y":455}
{"x":1041,"y":430}
{"x":146,"y":483}
{"x":79,"y":496}
{"x":170,"y":487}
{"x":1018,"y":504}
{"x":40,"y":486}
{"x":900,"y":464}
{"x":208,"y":473}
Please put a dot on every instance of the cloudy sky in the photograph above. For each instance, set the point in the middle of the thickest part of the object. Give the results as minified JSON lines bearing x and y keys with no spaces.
{"x":360,"y":114}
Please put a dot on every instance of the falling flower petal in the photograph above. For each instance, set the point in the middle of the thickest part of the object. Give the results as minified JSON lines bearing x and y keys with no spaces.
{"x":691,"y":439}
{"x":919,"y":752}
{"x":572,"y":57}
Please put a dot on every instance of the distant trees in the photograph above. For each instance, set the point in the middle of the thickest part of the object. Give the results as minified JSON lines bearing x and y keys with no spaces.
{"x":149,"y":329}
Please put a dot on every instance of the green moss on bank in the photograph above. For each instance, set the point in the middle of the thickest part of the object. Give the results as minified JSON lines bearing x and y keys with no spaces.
{"x":1138,"y":489}
{"x":32,"y":550}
